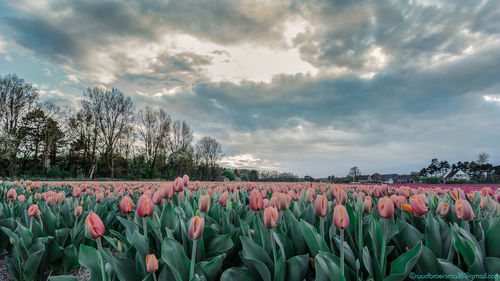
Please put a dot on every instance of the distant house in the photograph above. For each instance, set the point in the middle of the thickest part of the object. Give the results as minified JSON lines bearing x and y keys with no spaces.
{"x":456,"y":175}
{"x":377,"y":178}
{"x":223,"y":179}
{"x":405,"y":179}
{"x":388,"y":178}
{"x":364,"y":178}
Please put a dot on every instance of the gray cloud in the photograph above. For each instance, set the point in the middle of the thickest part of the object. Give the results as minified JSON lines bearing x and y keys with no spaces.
{"x":399,"y":82}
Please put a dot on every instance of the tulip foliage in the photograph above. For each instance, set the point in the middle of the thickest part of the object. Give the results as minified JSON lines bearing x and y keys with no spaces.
{"x":187,"y":231}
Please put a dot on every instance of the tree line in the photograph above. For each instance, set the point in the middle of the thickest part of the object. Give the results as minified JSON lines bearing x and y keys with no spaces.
{"x":105,"y":138}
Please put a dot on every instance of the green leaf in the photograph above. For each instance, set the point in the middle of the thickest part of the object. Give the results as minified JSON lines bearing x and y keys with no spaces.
{"x":428,"y":262}
{"x":297,"y":268}
{"x":449,"y":268}
{"x":238,"y":273}
{"x":124,"y":268}
{"x":258,"y":267}
{"x":218,"y":245}
{"x":401,"y":267}
{"x":313,"y":239}
{"x":70,"y":258}
{"x":172,"y":253}
{"x":493,"y":239}
{"x":212,"y":267}
{"x":63,"y":278}
{"x":32,"y":264}
{"x":433,"y":236}
{"x":168,"y":217}
{"x":326,"y":268}
{"x":141,"y":244}
{"x":89,"y":257}
{"x":492,"y":265}
{"x":253,"y":251}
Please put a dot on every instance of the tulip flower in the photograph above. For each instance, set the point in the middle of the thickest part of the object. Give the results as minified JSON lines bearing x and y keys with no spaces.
{"x":256,"y":202}
{"x":11,"y":194}
{"x":341,"y":221}
{"x":94,"y":226}
{"x":21,"y":198}
{"x":341,"y":196}
{"x":144,"y":206}
{"x":385,"y":207}
{"x":152,"y":264}
{"x":33,"y":211}
{"x":223,"y":198}
{"x":463,"y":210}
{"x":417,"y":206}
{"x":442,"y":209}
{"x":368,"y":204}
{"x":270,"y":217}
{"x":321,"y":206}
{"x":157,"y":198}
{"x":76,"y":192}
{"x":126,"y":205}
{"x":195,"y":232}
{"x":78,"y":211}
{"x":185,"y":180}
{"x":204,"y":203}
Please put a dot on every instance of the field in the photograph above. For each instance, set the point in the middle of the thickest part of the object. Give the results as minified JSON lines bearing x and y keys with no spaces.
{"x":186,"y":230}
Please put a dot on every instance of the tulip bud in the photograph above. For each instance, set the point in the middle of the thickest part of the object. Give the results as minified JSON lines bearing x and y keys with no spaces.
{"x":463,"y":210}
{"x":256,"y":202}
{"x":126,"y":205}
{"x":76,"y":192}
{"x":321,"y":206}
{"x":33,"y":211}
{"x":270,"y":217}
{"x":385,"y":207}
{"x":78,"y":211}
{"x":94,"y":226}
{"x":340,"y":217}
{"x":178,"y":185}
{"x":151,"y":263}
{"x":204,"y":204}
{"x":144,"y":206}
{"x":341,"y":196}
{"x":417,"y":206}
{"x":21,"y":198}
{"x":120,"y":246}
{"x":442,"y":209}
{"x":196,"y":228}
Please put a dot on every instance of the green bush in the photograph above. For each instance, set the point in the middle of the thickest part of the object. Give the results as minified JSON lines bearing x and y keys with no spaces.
{"x":229,"y":174}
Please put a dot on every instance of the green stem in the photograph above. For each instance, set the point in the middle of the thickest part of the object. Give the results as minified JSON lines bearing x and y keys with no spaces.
{"x":360,"y":236}
{"x":154,"y":276}
{"x":193,"y":260}
{"x":103,"y":266}
{"x":342,"y":251}
{"x":273,"y":246}
{"x":322,"y":226}
{"x":145,"y":227}
{"x":260,"y":230}
{"x":31,"y":224}
{"x":384,"y":241}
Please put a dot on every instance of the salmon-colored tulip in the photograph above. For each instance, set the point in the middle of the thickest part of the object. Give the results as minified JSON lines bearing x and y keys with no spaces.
{"x":78,"y":211}
{"x":442,"y":209}
{"x":368,"y":204}
{"x":21,"y":198}
{"x":178,"y":185}
{"x":151,"y":263}
{"x":126,"y":205}
{"x":185,"y":180}
{"x":321,"y":206}
{"x":224,"y":198}
{"x":76,"y":192}
{"x":256,"y":202}
{"x":270,"y":217}
{"x":11,"y":194}
{"x":157,"y":198}
{"x":33,"y":211}
{"x":385,"y":207}
{"x":204,"y":204}
{"x":94,"y":226}
{"x":463,"y":210}
{"x":341,"y":196}
{"x":340,"y":217}
{"x":417,"y":206}
{"x":144,"y":206}
{"x":196,"y":228}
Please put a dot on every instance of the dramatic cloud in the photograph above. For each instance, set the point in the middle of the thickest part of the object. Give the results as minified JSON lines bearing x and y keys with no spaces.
{"x":312,"y":87}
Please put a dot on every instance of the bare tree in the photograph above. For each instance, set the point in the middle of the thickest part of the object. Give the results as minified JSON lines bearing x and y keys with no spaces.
{"x":209,"y":151}
{"x":181,"y":136}
{"x":113,"y":113}
{"x":354,"y":173}
{"x":154,"y":130}
{"x":16,"y":99}
{"x":482,"y":158}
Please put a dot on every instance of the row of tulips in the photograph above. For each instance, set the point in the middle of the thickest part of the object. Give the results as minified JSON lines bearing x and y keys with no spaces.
{"x":187,"y":231}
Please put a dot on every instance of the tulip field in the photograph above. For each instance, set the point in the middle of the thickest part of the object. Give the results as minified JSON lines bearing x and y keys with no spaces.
{"x":184,"y":231}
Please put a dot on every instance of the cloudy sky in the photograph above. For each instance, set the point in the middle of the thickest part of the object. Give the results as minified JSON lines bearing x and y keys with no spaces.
{"x":311,"y":87}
